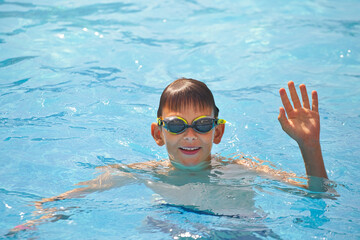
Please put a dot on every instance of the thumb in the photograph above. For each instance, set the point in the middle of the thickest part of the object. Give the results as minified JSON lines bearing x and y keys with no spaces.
{"x":283,"y":119}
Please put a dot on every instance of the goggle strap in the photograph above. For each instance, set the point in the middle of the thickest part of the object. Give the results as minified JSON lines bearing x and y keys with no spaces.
{"x":220,"y":121}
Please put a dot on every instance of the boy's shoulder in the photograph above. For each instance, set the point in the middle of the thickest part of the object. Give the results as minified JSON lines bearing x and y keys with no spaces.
{"x":150,"y":165}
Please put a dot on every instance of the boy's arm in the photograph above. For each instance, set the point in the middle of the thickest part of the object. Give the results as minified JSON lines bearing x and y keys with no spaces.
{"x":302,"y":123}
{"x":111,"y":178}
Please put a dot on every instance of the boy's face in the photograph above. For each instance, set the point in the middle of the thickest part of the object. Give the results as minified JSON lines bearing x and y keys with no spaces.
{"x":190,"y":147}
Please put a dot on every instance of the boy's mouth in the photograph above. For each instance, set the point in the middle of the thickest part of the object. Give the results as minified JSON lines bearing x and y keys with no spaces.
{"x":189,"y":150}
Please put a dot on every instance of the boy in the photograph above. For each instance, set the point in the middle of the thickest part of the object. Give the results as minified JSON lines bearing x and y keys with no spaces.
{"x":188,"y":125}
{"x":186,"y":101}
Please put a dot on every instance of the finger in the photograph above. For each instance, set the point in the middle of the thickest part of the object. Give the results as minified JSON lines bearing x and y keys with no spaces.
{"x":315,"y":103}
{"x":282,"y":114}
{"x":285,"y":100}
{"x":293,"y":94}
{"x":282,"y":118}
{"x":304,"y":96}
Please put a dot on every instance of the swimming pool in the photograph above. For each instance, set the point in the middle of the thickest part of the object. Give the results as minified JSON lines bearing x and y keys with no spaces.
{"x":80,"y":83}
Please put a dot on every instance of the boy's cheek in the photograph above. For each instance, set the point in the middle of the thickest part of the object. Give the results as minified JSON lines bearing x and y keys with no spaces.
{"x":170,"y":138}
{"x":169,"y":142}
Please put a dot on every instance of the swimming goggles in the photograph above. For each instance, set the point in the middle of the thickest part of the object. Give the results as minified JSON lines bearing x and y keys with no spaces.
{"x":177,"y":125}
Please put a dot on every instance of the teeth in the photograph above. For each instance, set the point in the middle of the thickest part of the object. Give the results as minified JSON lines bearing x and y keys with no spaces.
{"x":189,"y":148}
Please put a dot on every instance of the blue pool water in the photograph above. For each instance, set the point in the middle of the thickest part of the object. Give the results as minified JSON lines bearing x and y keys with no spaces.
{"x":80,"y":83}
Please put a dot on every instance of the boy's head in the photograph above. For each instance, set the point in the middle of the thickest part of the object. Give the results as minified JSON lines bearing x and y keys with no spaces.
{"x":187,"y":122}
{"x":184,"y":93}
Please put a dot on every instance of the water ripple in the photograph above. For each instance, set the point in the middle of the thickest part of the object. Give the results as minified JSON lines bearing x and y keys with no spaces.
{"x":132,"y":39}
{"x":15,"y":60}
{"x":99,"y":72}
{"x":247,"y":91}
{"x":18,"y":4}
{"x":56,"y":13}
{"x":41,"y":139}
{"x":59,"y":87}
{"x":15,"y":84}
{"x":8,"y":122}
{"x":20,"y":194}
{"x":9,"y":138}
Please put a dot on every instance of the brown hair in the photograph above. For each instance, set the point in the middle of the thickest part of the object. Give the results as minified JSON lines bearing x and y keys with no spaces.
{"x":184,"y":92}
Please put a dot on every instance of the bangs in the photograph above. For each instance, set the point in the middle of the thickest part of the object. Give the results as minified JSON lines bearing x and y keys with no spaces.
{"x":185,"y":93}
{"x":178,"y":103}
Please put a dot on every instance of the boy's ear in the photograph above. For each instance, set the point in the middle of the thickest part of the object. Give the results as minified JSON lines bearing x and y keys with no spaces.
{"x":219,"y":132}
{"x":156,"y":133}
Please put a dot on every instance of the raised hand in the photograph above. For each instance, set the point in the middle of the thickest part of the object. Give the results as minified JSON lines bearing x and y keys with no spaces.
{"x":302,"y":123}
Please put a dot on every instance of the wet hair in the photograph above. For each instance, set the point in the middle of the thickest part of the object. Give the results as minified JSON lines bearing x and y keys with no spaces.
{"x":185,"y":92}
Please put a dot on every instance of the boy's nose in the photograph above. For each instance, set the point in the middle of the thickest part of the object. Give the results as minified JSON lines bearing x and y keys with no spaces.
{"x":190,"y":134}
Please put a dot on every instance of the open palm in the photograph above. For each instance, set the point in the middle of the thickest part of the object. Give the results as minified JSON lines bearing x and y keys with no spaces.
{"x":300,"y":122}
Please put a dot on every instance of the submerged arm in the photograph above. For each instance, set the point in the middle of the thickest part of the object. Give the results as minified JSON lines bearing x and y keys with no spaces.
{"x":268,"y":170}
{"x":111,"y":178}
